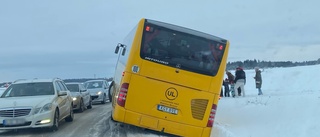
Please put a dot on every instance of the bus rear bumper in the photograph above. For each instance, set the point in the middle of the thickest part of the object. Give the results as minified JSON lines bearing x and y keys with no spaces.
{"x":160,"y":125}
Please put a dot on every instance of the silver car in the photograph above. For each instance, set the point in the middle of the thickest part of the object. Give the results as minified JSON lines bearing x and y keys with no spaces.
{"x":35,"y":103}
{"x":98,"y":90}
{"x":80,"y":96}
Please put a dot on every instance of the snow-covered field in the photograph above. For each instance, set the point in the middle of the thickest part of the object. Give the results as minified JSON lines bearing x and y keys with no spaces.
{"x":288,"y":108}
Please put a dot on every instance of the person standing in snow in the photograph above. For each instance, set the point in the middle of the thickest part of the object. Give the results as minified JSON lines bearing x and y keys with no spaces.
{"x":258,"y":80}
{"x":240,"y":81}
{"x":231,"y":82}
{"x":226,"y":88}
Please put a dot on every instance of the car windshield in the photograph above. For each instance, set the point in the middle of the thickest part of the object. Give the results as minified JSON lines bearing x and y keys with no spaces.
{"x":94,"y":84}
{"x":73,"y":87}
{"x":29,"y":89}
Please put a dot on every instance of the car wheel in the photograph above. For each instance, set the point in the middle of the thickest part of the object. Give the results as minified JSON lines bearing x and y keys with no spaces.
{"x":81,"y":108}
{"x":71,"y":116}
{"x":55,"y":125}
{"x":90,"y":104}
{"x":104,"y":99}
{"x":110,"y":91}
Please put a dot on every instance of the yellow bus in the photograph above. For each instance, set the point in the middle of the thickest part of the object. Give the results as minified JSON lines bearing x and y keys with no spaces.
{"x":168,"y":78}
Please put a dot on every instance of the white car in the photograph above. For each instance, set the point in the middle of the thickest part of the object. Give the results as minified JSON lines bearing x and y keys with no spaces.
{"x":35,"y":103}
{"x":98,"y":89}
{"x":80,"y":96}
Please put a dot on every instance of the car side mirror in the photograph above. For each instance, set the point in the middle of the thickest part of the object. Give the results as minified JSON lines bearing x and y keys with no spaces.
{"x":83,"y":90}
{"x":62,"y":93}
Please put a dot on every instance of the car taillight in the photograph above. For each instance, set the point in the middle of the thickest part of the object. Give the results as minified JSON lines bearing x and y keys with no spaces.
{"x":123,"y":94}
{"x":212,"y":115}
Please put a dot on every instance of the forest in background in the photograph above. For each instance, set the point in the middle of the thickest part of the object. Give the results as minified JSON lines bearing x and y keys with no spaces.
{"x":251,"y":64}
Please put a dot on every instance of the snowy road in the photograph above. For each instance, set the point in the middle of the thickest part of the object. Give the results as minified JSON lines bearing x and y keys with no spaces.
{"x":94,"y":122}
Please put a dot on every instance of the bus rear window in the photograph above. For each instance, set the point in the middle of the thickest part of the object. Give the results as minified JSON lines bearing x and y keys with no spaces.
{"x":181,"y":50}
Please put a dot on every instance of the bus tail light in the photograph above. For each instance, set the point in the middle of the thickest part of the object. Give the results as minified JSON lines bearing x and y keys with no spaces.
{"x":149,"y":29}
{"x":123,"y":94}
{"x":212,"y":115}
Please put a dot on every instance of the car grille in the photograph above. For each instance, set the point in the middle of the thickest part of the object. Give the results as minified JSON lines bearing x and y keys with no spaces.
{"x":198,"y":108}
{"x":14,"y":112}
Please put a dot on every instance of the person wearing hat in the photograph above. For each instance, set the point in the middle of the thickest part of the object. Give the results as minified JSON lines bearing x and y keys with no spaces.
{"x":240,"y":81}
{"x":258,"y":80}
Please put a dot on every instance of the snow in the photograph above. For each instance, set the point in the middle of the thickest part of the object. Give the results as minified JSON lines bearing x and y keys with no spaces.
{"x":288,"y":108}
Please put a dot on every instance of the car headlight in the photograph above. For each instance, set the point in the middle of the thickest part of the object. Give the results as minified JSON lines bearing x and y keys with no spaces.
{"x":46,"y":107}
{"x":98,"y":93}
{"x":74,"y":98}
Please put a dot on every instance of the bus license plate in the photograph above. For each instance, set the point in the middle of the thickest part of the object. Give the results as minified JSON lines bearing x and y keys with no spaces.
{"x":168,"y":110}
{"x":13,"y":122}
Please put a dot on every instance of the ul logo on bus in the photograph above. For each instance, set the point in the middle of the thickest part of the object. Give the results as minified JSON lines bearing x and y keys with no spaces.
{"x":171,"y":93}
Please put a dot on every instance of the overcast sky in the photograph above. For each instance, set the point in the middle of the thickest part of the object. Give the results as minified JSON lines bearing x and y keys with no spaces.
{"x":77,"y":38}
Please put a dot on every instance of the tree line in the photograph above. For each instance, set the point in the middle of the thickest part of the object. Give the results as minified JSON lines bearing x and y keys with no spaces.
{"x":82,"y":80}
{"x":251,"y":64}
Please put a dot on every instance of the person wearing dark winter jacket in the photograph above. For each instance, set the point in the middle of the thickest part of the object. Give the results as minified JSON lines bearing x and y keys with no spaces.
{"x":258,"y":80}
{"x":226,"y":88}
{"x":240,"y":81}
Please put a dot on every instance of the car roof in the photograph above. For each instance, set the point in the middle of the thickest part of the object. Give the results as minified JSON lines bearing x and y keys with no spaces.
{"x":69,"y":83}
{"x":95,"y":80}
{"x":35,"y":80}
